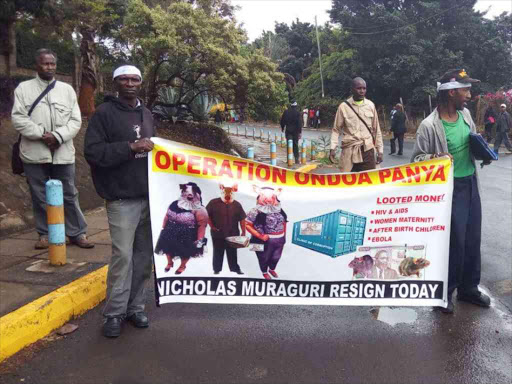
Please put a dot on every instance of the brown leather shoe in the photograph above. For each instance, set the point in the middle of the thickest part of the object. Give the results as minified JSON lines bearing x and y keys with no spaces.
{"x":82,"y":241}
{"x":42,"y":243}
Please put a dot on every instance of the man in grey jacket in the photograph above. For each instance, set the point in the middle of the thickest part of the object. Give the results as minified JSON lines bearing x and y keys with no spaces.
{"x":502,"y":128}
{"x":445,"y":132}
{"x":46,"y":146}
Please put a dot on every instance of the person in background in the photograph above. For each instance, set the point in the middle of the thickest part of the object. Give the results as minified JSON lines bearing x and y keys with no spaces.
{"x":46,"y":147}
{"x":305,"y":113}
{"x":357,"y":123}
{"x":398,"y":128}
{"x":445,"y":132}
{"x":291,"y":125}
{"x":503,"y":125}
{"x":489,"y":120}
{"x":317,"y":117}
{"x":311,"y":117}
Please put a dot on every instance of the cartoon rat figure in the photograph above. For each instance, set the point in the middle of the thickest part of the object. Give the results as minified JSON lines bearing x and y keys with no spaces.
{"x":412,"y":266}
{"x":183,"y":228}
{"x":362,"y":267}
{"x":267,"y":225}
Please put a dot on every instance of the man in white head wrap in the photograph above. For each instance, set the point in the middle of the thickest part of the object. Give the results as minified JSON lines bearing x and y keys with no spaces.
{"x":446,"y":132}
{"x":117,"y":143}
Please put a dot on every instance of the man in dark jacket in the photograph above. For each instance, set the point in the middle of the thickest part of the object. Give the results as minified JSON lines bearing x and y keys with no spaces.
{"x":502,"y":127}
{"x":398,"y":128}
{"x":290,"y":121}
{"x":117,"y":143}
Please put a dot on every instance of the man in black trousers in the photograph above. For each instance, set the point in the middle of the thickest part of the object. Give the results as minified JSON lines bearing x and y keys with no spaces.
{"x":290,"y":121}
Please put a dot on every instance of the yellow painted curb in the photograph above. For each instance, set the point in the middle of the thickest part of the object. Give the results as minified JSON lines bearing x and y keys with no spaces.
{"x":307,"y":168}
{"x":38,"y":318}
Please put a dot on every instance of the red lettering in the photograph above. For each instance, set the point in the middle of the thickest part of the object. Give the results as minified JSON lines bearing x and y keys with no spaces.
{"x":397,"y":175}
{"x":301,"y":178}
{"x":239,"y":167}
{"x":349,"y":179}
{"x":333,"y":179}
{"x":428,"y":171}
{"x":439,"y":173}
{"x":279,"y":174}
{"x":225,"y":169}
{"x":416,"y":173}
{"x":320,"y":179}
{"x":209,"y":165}
{"x":193,"y":161}
{"x":364,"y":178}
{"x":262,"y":173}
{"x":159,"y":157}
{"x":177,"y":160}
{"x":383,"y":174}
{"x":251,"y":171}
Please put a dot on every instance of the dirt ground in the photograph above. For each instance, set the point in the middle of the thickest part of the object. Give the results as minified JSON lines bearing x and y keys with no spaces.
{"x":15,"y":202}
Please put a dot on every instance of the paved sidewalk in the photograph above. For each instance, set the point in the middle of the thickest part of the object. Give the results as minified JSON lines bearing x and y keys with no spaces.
{"x":37,"y":298}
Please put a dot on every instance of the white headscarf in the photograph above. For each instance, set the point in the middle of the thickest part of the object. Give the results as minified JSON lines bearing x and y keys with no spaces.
{"x":127,"y":70}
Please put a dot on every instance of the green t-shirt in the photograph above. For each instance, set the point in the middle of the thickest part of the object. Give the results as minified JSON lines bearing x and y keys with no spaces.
{"x":457,"y":136}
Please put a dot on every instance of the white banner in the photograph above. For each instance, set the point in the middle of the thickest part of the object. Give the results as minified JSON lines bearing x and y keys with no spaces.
{"x":369,"y":238}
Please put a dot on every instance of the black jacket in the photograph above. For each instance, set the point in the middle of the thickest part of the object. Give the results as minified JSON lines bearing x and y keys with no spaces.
{"x":117,"y":172}
{"x":504,"y":122}
{"x":291,"y":120}
{"x":398,"y":123}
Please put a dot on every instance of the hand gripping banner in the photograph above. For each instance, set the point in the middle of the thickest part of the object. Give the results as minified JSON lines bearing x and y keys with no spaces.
{"x":230,"y":230}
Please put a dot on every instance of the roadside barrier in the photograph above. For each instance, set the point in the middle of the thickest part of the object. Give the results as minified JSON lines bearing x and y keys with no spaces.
{"x":273,"y":154}
{"x":250,"y":153}
{"x":56,"y":227}
{"x":290,"y":153}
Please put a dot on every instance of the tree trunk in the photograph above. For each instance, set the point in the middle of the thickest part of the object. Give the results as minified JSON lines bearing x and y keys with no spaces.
{"x":9,"y":35}
{"x":89,"y":78}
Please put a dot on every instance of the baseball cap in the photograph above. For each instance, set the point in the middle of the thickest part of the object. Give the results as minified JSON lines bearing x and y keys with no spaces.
{"x":458,"y":75}
{"x":503,"y":105}
{"x":294,"y":104}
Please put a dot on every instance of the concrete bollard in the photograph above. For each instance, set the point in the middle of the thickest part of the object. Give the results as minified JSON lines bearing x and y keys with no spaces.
{"x":275,"y":139}
{"x":313,"y":150}
{"x":282,"y":139}
{"x":237,"y":127}
{"x":273,"y":154}
{"x":250,"y":153}
{"x":228,"y":130}
{"x":290,"y":153}
{"x":254,"y":133}
{"x":261,"y":135}
{"x":303,"y":152}
{"x":268,"y":137}
{"x":56,"y":227}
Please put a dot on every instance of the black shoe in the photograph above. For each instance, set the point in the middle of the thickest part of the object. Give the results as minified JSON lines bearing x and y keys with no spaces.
{"x":391,"y":153}
{"x":477,"y":298}
{"x":112,"y":326}
{"x":216,"y":272}
{"x":139,"y":320}
{"x":400,"y":154}
{"x":448,"y":310}
{"x":239,"y":272}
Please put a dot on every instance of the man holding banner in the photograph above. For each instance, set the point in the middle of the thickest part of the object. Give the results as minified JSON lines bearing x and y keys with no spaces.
{"x":446,"y":133}
{"x":357,"y":123}
{"x":117,"y":143}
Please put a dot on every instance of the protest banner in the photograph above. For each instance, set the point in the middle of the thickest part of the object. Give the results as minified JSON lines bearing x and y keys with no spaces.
{"x":369,"y":238}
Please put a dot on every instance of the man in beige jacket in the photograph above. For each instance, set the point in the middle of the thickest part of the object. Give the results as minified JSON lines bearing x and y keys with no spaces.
{"x":357,"y":123}
{"x":46,"y":147}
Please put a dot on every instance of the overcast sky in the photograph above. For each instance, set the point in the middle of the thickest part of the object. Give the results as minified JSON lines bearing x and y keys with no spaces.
{"x":259,"y":15}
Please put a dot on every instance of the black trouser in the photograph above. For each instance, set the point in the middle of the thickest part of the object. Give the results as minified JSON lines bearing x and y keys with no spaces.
{"x":219,"y":246}
{"x":294,"y":136}
{"x":465,"y":237}
{"x":400,"y":137}
{"x":368,"y":162}
{"x":488,"y":132}
{"x":502,"y":136}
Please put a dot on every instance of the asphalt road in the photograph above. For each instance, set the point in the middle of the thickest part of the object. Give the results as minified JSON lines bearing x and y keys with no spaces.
{"x":199,"y":343}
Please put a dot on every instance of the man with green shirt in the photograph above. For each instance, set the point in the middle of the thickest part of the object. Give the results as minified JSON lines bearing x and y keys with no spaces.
{"x":445,"y":132}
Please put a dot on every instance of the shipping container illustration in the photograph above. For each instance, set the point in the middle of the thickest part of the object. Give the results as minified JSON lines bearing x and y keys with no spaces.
{"x":334,"y":234}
